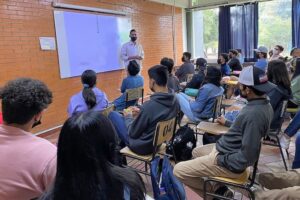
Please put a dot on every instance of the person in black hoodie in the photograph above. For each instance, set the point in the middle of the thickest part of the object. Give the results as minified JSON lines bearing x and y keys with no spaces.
{"x":136,"y":128}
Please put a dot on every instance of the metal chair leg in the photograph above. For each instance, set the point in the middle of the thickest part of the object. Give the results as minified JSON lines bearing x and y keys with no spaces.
{"x":281,"y":152}
{"x":287,"y":154}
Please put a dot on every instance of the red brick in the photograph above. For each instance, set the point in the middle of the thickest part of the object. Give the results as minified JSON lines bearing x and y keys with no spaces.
{"x":23,"y":22}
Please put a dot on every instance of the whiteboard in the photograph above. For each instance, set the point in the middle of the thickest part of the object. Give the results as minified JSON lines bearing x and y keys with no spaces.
{"x":89,"y":41}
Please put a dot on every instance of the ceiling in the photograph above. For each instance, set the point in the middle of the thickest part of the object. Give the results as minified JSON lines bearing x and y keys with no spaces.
{"x":178,"y":3}
{"x":203,"y":3}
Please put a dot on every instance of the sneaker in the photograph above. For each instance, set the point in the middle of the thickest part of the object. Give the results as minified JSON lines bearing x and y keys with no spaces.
{"x":285,"y":141}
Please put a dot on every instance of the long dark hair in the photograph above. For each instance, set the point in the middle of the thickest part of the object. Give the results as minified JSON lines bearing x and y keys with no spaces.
{"x":297,"y":70}
{"x":86,"y":162}
{"x":89,"y":79}
{"x":213,"y":76}
{"x":278,"y":74}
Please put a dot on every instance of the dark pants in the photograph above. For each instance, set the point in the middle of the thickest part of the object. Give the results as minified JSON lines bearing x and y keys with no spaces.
{"x":291,"y":130}
{"x":296,"y":162}
{"x":119,"y":123}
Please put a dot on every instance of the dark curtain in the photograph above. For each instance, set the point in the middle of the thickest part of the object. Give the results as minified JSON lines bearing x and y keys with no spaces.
{"x":224,"y":29}
{"x":244,"y":29}
{"x":296,"y":23}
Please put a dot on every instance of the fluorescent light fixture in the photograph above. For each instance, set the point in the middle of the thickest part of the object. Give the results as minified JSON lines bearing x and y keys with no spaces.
{"x":85,"y":8}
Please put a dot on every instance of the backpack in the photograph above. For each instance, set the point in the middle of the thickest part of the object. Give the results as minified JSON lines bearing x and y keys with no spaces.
{"x":183,"y":144}
{"x":165,"y":185}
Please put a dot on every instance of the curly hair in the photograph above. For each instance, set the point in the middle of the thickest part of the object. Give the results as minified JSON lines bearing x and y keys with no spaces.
{"x":23,"y":98}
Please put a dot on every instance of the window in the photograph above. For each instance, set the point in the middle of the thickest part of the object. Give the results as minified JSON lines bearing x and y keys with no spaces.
{"x":211,"y":33}
{"x":275,"y":26}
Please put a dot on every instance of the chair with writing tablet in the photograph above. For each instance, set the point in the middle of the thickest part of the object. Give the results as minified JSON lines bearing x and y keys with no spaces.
{"x":134,"y":95}
{"x":164,"y":132}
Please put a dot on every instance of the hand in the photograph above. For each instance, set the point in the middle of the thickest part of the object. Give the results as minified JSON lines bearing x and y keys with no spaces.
{"x":127,"y":112}
{"x":135,"y":111}
{"x":221,"y":120}
{"x":139,"y":58}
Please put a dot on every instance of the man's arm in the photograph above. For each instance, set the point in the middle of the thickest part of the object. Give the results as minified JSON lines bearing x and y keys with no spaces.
{"x":123,"y":86}
{"x":137,"y":126}
{"x":200,"y":102}
{"x":179,"y":72}
{"x":249,"y":151}
{"x":49,"y":173}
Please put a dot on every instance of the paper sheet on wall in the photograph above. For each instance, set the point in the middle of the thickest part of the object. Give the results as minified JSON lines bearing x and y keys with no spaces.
{"x":47,"y":43}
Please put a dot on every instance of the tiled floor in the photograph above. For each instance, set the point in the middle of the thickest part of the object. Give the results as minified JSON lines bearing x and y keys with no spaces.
{"x":270,"y":161}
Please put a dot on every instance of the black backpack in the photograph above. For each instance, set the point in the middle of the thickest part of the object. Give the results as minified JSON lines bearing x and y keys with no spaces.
{"x":183,"y":144}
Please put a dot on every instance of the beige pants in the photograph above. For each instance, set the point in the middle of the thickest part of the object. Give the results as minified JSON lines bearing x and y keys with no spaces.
{"x":282,"y":186}
{"x":191,"y":172}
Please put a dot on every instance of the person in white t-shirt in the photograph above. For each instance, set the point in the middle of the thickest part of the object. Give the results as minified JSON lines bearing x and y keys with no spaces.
{"x":132,"y":50}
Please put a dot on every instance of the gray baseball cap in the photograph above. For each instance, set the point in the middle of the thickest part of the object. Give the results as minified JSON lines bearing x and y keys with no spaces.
{"x":261,"y":49}
{"x":257,"y":78}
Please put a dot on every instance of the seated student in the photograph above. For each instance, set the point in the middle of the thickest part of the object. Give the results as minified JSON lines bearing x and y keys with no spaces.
{"x":90,"y":98}
{"x":133,"y":80}
{"x":225,"y":69}
{"x":173,"y":82}
{"x":234,"y":62}
{"x":186,"y":68}
{"x":295,"y":85}
{"x":27,"y":162}
{"x":136,"y":129}
{"x":201,"y":65}
{"x":280,"y":185}
{"x":262,"y":61}
{"x":241,"y":56}
{"x":202,"y":107}
{"x":289,"y":132}
{"x":239,"y":147}
{"x":276,"y":52}
{"x":277,"y":74}
{"x":198,"y":78}
{"x":88,"y":162}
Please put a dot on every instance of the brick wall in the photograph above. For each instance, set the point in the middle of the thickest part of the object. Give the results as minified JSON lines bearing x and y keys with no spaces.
{"x":22,"y":22}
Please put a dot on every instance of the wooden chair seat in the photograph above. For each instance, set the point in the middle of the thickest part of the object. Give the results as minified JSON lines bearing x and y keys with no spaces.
{"x":127,"y":152}
{"x":243,"y":179}
{"x":292,"y":110}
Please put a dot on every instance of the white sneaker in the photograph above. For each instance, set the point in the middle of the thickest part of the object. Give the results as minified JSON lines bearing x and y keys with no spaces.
{"x":285,"y":141}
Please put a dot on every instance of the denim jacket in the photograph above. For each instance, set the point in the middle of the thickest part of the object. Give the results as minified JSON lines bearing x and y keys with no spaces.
{"x":202,"y":107}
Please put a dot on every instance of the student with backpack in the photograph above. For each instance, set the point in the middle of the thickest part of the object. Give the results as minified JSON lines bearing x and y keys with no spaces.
{"x":137,"y":126}
{"x":239,"y":148}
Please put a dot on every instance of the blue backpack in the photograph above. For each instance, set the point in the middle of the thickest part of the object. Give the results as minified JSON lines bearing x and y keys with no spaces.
{"x":165,"y":185}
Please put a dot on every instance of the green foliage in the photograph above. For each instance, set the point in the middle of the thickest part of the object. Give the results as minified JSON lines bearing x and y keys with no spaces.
{"x":275,"y":24}
{"x":210,"y":29}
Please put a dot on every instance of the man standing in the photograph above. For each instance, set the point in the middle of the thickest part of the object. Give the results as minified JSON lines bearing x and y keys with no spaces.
{"x":27,"y":162}
{"x":239,"y":148}
{"x":186,"y":68}
{"x":132,"y":50}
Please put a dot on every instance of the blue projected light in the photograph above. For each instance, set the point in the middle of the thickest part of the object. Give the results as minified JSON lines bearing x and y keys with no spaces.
{"x":88,"y":41}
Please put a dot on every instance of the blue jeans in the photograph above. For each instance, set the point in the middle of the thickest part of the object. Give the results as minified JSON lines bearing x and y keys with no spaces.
{"x":118,"y":122}
{"x":120,"y":103}
{"x":294,"y":126}
{"x":296,"y":162}
{"x":184,"y":102}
